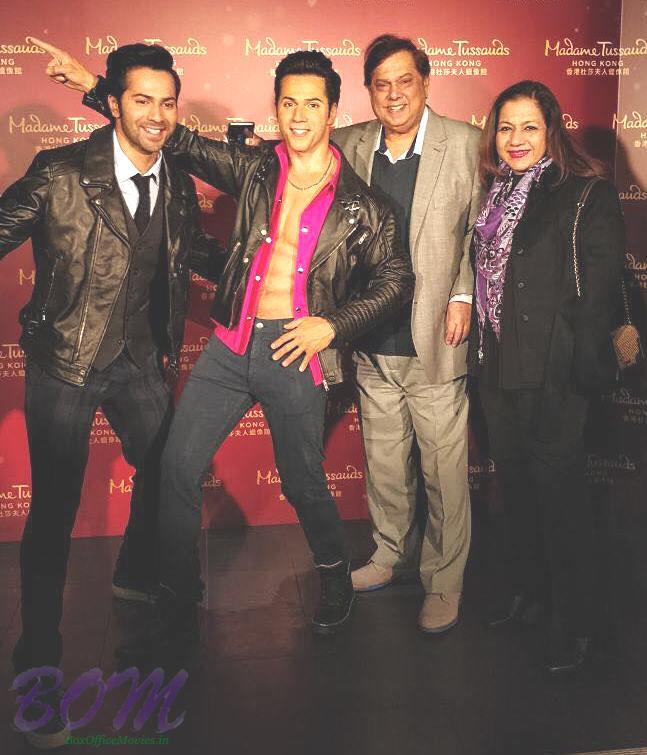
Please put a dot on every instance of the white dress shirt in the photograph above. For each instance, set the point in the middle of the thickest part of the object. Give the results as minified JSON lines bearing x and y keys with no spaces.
{"x":125,"y":170}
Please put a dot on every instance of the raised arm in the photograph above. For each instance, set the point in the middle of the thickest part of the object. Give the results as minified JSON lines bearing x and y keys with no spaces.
{"x":219,"y":164}
{"x":64,"y":69}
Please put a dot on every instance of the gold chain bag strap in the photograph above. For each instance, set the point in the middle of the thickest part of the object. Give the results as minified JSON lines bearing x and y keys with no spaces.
{"x":626,"y":338}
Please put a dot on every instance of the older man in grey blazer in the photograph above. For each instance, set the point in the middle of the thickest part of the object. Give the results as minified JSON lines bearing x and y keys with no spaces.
{"x":411,"y":372}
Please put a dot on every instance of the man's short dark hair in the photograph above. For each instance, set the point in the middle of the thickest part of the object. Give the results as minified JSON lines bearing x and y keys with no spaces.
{"x":139,"y":55}
{"x":312,"y":63}
{"x":384,"y":46}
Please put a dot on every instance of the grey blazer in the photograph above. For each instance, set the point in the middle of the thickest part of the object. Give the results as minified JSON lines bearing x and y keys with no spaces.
{"x":446,"y":202}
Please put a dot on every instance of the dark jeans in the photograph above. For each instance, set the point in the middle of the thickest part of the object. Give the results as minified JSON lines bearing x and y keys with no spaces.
{"x":222,"y":387}
{"x":59,"y":416}
{"x":536,"y":440}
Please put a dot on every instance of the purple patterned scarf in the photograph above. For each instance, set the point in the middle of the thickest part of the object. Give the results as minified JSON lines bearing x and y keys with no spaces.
{"x":495,"y":226}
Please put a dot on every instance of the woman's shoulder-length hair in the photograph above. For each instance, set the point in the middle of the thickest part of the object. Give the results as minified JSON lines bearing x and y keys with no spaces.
{"x":569,"y":157}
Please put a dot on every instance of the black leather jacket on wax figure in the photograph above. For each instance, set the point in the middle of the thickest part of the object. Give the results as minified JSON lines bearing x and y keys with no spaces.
{"x":70,"y":205}
{"x":359,"y":274}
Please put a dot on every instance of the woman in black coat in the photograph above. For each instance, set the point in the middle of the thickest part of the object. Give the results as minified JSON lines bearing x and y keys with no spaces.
{"x":540,"y":350}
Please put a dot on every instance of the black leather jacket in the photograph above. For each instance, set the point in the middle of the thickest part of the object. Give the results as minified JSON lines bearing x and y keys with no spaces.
{"x":359,"y":274}
{"x":70,"y":205}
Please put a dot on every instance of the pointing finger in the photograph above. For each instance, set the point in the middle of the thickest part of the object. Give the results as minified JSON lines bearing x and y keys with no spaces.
{"x":55,"y":52}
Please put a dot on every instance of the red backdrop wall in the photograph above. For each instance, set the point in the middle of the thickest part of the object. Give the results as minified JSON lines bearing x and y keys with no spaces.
{"x":226,"y":55}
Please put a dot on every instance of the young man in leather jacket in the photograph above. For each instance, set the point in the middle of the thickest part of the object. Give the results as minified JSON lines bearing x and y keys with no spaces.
{"x":314,"y":262}
{"x":114,"y":225}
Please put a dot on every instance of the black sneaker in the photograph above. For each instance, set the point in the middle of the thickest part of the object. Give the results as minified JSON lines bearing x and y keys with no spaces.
{"x":337,"y":598}
{"x":55,"y":732}
{"x":170,"y":634}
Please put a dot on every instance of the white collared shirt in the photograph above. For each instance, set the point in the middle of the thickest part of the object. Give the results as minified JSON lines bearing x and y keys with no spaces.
{"x":417,"y":150}
{"x":125,"y":170}
{"x":417,"y":147}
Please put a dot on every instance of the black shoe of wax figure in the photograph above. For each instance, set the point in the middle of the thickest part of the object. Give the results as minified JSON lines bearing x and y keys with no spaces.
{"x":170,"y":636}
{"x":337,"y":598}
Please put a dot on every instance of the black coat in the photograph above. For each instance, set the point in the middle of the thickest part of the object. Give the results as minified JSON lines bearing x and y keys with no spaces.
{"x":548,"y":335}
{"x":70,"y":205}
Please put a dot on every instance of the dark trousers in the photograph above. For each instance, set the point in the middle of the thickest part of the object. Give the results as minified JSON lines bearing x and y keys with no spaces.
{"x":59,"y":416}
{"x":536,"y":440}
{"x":222,"y":387}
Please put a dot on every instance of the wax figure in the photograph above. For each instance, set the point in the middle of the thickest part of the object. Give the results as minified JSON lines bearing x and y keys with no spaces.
{"x":114,"y":228}
{"x":315,"y":261}
{"x":542,"y":349}
{"x":411,"y":369}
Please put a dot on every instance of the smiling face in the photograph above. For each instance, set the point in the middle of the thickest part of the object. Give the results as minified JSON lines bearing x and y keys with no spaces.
{"x":146,"y":114}
{"x":398,"y":93}
{"x":304,"y":115}
{"x":521,"y":134}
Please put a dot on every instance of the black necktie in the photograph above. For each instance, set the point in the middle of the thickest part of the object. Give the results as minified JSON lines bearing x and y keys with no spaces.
{"x":143,"y":212}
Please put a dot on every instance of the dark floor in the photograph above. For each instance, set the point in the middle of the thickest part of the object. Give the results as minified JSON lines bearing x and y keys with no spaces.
{"x":263,"y":685}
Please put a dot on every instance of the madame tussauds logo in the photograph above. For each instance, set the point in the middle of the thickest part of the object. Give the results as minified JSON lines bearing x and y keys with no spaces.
{"x":630,"y":121}
{"x":195,"y":123}
{"x":269,"y":477}
{"x":638,"y":269}
{"x":15,"y":493}
{"x":601,"y":49}
{"x":569,"y":122}
{"x":15,"y":501}
{"x":633,"y":194}
{"x":463,"y":48}
{"x":197,"y":347}
{"x":20,"y":48}
{"x":269,"y":48}
{"x":11,"y":351}
{"x":32,"y":124}
{"x":104,"y":46}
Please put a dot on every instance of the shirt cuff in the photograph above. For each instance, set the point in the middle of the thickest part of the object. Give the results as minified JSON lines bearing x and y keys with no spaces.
{"x":465,"y":298}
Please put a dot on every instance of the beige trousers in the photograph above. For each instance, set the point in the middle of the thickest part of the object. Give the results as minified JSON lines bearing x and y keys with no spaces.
{"x":398,"y":405}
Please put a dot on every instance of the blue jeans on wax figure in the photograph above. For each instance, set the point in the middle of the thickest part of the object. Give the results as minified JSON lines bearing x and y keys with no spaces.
{"x":222,"y":387}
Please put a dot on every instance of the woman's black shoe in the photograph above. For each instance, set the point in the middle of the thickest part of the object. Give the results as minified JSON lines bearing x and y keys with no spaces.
{"x":519,"y":610}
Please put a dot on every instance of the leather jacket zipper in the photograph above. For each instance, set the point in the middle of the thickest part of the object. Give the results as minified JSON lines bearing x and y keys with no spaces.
{"x":325,"y":382}
{"x":331,"y":252}
{"x":52,"y":276}
{"x":86,"y":303}
{"x":312,"y":269}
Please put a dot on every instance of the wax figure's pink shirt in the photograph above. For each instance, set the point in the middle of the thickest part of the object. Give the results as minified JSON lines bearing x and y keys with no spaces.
{"x":310,"y":224}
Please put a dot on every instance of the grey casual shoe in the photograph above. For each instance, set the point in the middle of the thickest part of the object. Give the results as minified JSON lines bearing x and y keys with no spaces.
{"x":371,"y":577}
{"x":439,"y":612}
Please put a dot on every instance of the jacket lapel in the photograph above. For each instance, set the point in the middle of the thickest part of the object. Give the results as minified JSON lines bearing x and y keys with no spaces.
{"x":431,"y":160}
{"x":175,"y":206}
{"x":365,"y":151}
{"x":342,"y":216}
{"x":535,"y":208}
{"x":98,"y":179}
